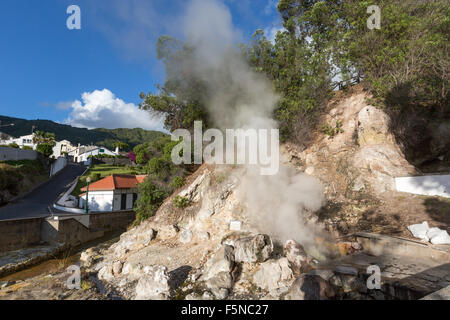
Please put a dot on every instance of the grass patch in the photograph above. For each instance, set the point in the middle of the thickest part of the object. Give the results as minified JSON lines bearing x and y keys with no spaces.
{"x":17,"y":177}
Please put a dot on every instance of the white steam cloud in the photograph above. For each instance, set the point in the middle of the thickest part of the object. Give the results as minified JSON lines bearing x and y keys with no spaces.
{"x":241,"y":98}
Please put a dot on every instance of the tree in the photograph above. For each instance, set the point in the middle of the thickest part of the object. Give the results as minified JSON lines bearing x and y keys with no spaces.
{"x":121,"y":145}
{"x":182,"y":96}
{"x":45,"y":149}
{"x":41,"y":137}
{"x":151,"y":198}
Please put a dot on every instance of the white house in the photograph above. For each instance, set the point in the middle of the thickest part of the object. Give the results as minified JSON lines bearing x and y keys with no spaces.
{"x":23,"y":141}
{"x":116,"y":192}
{"x":83,"y":153}
{"x":62,"y":147}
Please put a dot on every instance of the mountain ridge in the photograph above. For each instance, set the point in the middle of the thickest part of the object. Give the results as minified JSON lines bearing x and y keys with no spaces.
{"x":98,"y":136}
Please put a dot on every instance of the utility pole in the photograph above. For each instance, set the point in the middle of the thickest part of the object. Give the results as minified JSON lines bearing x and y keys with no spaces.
{"x":86,"y":209}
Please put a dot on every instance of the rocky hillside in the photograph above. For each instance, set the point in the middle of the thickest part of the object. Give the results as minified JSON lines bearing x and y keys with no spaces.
{"x":217,"y":248}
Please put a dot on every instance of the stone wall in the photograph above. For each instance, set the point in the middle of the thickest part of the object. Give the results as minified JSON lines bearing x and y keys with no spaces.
{"x":72,"y":232}
{"x":19,"y":233}
{"x":111,"y":221}
{"x":8,"y":154}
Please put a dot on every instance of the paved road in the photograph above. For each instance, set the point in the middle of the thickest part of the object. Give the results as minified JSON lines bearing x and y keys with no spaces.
{"x":37,"y":202}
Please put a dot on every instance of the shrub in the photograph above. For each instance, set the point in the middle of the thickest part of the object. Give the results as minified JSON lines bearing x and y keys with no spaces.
{"x":177,"y":182}
{"x":151,"y":198}
{"x":45,"y":149}
{"x":181,"y":202}
{"x":13,"y":145}
{"x":95,"y":176}
{"x":27,"y":148}
{"x":332,"y":131}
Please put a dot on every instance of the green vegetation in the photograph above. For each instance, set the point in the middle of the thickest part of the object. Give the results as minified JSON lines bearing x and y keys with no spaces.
{"x":177,"y":182}
{"x":181,"y":202}
{"x":103,"y":137}
{"x":332,"y":131}
{"x":153,"y":195}
{"x":163,"y":176}
{"x":45,"y":142}
{"x":326,"y":45}
{"x":45,"y":149}
{"x":13,"y":145}
{"x":17,"y":177}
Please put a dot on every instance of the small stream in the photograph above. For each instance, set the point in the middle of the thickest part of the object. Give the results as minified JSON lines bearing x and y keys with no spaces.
{"x":62,"y":261}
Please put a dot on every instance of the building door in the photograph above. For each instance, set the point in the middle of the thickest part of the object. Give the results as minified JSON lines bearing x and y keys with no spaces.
{"x":123,"y":202}
{"x":135,"y":196}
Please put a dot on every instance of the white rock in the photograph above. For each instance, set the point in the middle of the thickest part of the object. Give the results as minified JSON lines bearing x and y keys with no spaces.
{"x":106,"y":273}
{"x":154,"y":284}
{"x":296,"y":255}
{"x":235,"y":225}
{"x":273,"y":275}
{"x":186,"y":236}
{"x":253,"y":249}
{"x":420,"y":230}
{"x":167,"y":232}
{"x":438,"y":236}
{"x":222,"y":261}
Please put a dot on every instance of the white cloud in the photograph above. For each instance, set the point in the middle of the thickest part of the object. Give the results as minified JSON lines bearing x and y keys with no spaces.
{"x":101,"y":109}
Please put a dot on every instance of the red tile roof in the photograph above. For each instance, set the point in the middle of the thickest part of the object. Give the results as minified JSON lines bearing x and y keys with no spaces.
{"x":116,"y":181}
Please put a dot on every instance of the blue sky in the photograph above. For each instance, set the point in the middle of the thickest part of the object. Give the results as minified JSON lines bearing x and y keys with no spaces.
{"x":45,"y":68}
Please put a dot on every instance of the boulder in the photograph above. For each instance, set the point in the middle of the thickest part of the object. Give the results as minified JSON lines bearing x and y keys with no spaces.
{"x":373,"y":127}
{"x":146,"y":237}
{"x":132,"y":271}
{"x":253,"y":249}
{"x":274,"y":275}
{"x":221,"y":261}
{"x":154,"y":284}
{"x":167,"y":232}
{"x":186,"y":236}
{"x":106,"y":273}
{"x":88,"y":257}
{"x":380,"y":164}
{"x":220,"y":280}
{"x":310,"y":287}
{"x":296,"y":255}
{"x":117,"y":267}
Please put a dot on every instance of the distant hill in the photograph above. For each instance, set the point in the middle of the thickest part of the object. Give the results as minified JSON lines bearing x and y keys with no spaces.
{"x":103,"y":137}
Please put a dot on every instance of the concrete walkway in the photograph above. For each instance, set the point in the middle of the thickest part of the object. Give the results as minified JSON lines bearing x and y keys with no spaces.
{"x":36,"y":203}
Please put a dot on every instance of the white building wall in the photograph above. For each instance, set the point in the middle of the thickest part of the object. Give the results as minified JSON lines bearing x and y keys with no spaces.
{"x":99,"y":201}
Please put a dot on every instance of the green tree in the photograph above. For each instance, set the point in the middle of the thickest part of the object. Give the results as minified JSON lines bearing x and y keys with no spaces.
{"x":121,"y":145}
{"x":182,"y":96}
{"x":41,"y":137}
{"x":151,"y":198}
{"x":45,"y":149}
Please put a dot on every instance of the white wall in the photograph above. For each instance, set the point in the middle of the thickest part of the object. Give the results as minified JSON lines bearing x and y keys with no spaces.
{"x":437,"y":185}
{"x":58,"y":165}
{"x":100,"y":201}
{"x":85,"y":156}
